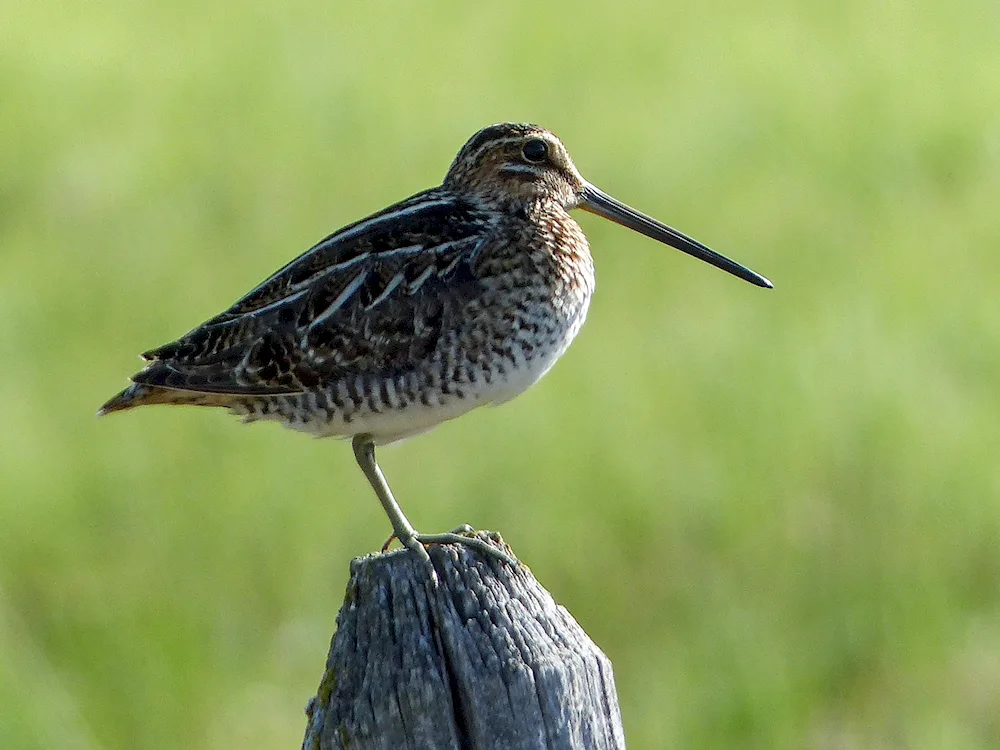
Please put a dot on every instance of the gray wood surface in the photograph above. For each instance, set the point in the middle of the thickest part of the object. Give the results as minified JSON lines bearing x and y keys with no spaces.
{"x":485,"y":659}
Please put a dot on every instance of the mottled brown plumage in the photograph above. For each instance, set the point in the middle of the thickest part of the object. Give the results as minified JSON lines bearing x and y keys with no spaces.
{"x":460,"y":295}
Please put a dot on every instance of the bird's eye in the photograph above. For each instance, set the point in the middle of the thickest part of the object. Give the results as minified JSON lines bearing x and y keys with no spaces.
{"x":535,"y":151}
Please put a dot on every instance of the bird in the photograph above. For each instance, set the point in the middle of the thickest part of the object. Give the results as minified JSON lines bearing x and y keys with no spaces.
{"x":461,"y":295}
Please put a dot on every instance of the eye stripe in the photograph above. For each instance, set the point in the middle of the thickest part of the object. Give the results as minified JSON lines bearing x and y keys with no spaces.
{"x":521,"y":169}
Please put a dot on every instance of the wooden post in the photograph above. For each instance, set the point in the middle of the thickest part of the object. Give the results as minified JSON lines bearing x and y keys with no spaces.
{"x":485,"y":659}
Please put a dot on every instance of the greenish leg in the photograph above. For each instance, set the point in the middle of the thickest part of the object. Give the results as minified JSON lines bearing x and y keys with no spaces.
{"x":364,"y":451}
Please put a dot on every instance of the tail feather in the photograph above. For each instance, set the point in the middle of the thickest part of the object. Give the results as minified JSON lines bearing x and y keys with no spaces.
{"x":139,"y":394}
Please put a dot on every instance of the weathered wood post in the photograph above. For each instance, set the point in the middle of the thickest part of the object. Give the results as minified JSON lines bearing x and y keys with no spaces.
{"x":485,"y":659}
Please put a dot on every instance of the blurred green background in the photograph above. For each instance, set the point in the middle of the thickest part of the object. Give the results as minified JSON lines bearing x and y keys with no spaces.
{"x":777,"y":512}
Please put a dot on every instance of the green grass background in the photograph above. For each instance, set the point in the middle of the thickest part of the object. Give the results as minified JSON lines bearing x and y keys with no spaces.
{"x":777,"y":512}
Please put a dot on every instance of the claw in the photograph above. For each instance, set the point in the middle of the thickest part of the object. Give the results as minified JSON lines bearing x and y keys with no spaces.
{"x":385,"y":547}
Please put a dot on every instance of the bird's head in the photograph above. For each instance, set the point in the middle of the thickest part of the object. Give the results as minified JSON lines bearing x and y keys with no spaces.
{"x":511,"y":165}
{"x":515,"y":163}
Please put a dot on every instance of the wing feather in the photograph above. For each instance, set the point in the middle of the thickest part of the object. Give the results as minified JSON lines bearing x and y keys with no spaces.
{"x":368,"y":298}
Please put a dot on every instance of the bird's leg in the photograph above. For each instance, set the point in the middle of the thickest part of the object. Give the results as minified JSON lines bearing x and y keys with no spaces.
{"x":402,"y":529}
{"x":364,"y":452}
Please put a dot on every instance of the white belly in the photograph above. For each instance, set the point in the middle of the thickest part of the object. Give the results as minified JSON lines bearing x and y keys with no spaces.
{"x":396,"y":417}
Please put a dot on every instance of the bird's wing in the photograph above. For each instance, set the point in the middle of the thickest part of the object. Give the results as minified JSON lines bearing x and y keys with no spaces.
{"x":369,"y":298}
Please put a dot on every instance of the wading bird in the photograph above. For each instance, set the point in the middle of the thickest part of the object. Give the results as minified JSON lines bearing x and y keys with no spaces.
{"x":462,"y":295}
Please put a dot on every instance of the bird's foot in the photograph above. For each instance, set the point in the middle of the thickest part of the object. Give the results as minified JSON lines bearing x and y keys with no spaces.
{"x":461,"y":535}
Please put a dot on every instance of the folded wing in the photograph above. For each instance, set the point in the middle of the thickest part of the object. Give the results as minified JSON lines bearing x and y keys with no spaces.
{"x":370,"y":298}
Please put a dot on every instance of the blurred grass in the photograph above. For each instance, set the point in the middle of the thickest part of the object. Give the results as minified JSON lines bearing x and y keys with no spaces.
{"x":777,"y":512}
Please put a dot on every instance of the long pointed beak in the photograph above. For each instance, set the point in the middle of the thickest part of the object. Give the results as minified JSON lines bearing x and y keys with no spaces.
{"x":598,"y":202}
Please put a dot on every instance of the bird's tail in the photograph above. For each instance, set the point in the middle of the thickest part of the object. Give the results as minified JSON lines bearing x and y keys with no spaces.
{"x":139,"y":394}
